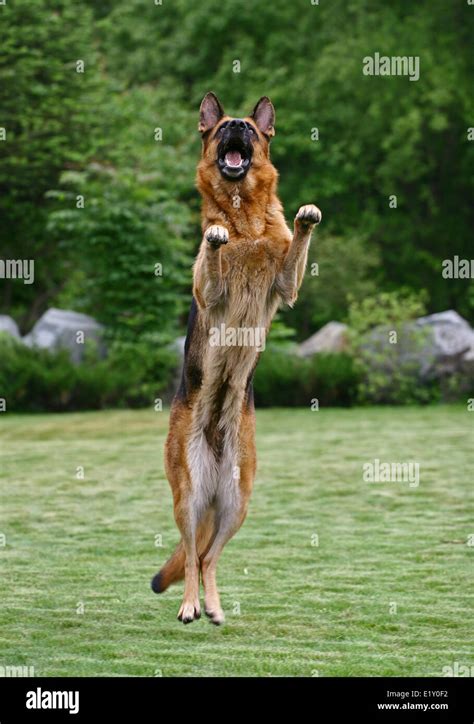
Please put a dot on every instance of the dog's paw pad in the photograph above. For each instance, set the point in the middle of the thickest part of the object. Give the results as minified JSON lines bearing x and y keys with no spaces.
{"x":216,"y":236}
{"x":308,"y":215}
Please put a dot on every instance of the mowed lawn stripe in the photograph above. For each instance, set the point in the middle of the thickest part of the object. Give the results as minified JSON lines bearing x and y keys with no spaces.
{"x":329,"y":575}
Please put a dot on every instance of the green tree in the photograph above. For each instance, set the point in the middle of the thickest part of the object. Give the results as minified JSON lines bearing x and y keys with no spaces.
{"x":345,"y":141}
{"x":47,"y":110}
{"x":378,"y":136}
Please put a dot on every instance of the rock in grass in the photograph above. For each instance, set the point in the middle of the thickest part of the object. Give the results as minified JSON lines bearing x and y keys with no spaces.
{"x":62,"y":329}
{"x":330,"y":338}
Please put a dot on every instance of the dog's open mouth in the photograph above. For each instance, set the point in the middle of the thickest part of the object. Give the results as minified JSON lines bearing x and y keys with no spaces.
{"x":233,"y":158}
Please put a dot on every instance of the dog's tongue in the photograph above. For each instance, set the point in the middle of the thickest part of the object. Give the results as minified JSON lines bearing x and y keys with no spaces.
{"x":233,"y":158}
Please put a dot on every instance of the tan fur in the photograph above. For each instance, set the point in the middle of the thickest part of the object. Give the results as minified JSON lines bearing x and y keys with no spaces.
{"x":248,"y":263}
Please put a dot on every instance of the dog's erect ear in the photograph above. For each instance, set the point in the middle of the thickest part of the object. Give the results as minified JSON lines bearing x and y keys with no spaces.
{"x":210,"y":112}
{"x":264,"y":116}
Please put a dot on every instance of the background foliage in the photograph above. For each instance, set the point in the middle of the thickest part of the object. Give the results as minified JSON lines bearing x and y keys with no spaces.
{"x":147,"y":66}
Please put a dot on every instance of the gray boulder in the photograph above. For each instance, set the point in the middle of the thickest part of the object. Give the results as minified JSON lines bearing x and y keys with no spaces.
{"x":330,"y":338}
{"x":7,"y":324}
{"x":62,"y":329}
{"x":433,"y":347}
{"x":450,"y":343}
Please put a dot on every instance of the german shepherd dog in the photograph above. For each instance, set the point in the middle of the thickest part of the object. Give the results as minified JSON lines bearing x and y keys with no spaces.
{"x":248,"y":263}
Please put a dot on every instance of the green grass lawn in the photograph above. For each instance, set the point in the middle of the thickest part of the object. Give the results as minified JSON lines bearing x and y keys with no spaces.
{"x":387,"y":590}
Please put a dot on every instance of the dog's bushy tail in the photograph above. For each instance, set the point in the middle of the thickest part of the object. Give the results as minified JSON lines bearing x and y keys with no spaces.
{"x":173,"y":570}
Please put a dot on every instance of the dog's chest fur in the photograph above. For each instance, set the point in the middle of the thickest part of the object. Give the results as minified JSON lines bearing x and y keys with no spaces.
{"x":249,"y":269}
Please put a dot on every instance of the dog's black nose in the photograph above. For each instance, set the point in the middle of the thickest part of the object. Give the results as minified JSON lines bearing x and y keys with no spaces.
{"x":237,"y":124}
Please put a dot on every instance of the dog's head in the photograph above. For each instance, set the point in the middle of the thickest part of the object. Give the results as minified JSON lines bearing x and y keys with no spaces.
{"x":236,"y":145}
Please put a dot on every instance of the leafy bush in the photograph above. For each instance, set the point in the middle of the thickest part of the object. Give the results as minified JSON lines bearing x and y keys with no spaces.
{"x":335,"y":379}
{"x":386,"y":348}
{"x":127,"y":245}
{"x":284,"y":379}
{"x":39,"y":380}
{"x":148,"y":65}
{"x":336,"y":264}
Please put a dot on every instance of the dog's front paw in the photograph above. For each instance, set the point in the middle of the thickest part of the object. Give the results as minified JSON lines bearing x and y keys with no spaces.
{"x":307,"y":216}
{"x":216,"y":236}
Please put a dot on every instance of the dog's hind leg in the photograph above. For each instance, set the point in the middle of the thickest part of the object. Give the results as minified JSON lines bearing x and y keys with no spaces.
{"x":174,"y":568}
{"x":186,"y":521}
{"x":185,"y":560}
{"x":235,"y":488}
{"x":230,"y":514}
{"x":227,"y":524}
